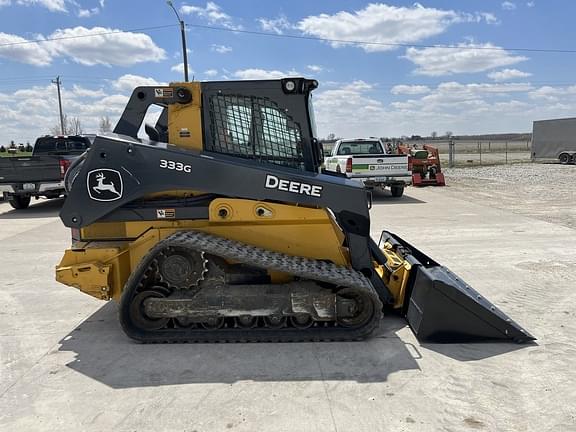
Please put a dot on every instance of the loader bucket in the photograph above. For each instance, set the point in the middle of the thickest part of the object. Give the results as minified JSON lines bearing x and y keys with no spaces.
{"x":441,"y":307}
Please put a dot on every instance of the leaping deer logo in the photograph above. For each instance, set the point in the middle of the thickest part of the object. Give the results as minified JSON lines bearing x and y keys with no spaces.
{"x":105,"y":184}
{"x":101,"y":186}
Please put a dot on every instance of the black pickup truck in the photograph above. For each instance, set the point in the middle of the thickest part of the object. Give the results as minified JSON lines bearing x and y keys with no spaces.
{"x":42,"y":174}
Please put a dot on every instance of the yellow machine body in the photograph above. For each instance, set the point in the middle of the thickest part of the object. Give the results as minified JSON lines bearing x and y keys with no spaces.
{"x":101,"y":270}
{"x":185,"y":121}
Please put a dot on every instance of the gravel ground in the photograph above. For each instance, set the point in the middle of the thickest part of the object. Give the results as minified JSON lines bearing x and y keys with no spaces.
{"x":543,"y":191}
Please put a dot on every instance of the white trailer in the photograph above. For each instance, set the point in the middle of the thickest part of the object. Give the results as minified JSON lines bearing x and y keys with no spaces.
{"x":554,"y":140}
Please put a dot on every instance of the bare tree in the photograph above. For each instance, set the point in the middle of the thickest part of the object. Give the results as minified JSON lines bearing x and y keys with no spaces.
{"x":55,"y":130}
{"x":72,"y":126}
{"x":105,"y":125}
{"x":75,"y":127}
{"x":434,"y":135}
{"x":331,"y":137}
{"x":448,"y":134}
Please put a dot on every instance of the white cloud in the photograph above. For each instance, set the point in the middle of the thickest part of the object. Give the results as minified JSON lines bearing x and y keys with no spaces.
{"x":89,"y":93}
{"x":275,"y":25}
{"x":552,"y":94}
{"x":87,"y":46}
{"x":180,"y":68}
{"x":221,"y":49}
{"x":460,"y":91}
{"x":352,"y":109}
{"x":383,"y":24}
{"x":508,"y":74}
{"x":349,"y":111}
{"x":488,"y":17}
{"x":468,"y":108}
{"x":127,"y":83}
{"x":508,"y":5}
{"x":485,"y":107}
{"x":257,"y":74}
{"x":211,"y":73}
{"x":469,"y":58}
{"x":530,"y":4}
{"x":212,"y":13}
{"x":315,"y":68}
{"x":51,"y":5}
{"x":118,"y":48}
{"x":31,"y":112}
{"x":402,"y":89}
{"x":20,"y":51}
{"x":87,"y":13}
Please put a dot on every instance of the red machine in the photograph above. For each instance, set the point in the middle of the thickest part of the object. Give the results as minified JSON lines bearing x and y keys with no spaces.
{"x":425,"y":163}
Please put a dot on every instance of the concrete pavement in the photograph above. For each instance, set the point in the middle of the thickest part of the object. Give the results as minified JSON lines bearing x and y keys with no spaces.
{"x":65,"y":364}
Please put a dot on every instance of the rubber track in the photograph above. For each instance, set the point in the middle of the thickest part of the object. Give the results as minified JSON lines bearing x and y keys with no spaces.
{"x":255,"y":256}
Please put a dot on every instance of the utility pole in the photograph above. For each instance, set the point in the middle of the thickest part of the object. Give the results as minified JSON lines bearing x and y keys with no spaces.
{"x":58,"y":82}
{"x":183,"y":35}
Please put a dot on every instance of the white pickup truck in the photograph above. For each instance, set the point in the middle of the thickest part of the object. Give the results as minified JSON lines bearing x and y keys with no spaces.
{"x":370,"y":161}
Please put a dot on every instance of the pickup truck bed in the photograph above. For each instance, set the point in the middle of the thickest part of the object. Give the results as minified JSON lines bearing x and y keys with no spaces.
{"x":366,"y":160}
{"x":33,"y":169}
{"x":42,"y":174}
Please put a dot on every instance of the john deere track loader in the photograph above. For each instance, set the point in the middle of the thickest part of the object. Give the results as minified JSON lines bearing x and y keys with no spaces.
{"x":223,"y":227}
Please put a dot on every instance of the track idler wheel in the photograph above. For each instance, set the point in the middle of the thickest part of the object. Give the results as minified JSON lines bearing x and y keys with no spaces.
{"x":354,"y":308}
{"x":301,"y":321}
{"x":138,"y":312}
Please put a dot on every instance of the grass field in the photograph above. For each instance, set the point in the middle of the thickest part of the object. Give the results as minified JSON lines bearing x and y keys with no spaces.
{"x":17,"y":154}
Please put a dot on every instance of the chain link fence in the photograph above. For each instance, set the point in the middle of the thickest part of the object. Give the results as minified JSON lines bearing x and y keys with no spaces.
{"x":457,"y":152}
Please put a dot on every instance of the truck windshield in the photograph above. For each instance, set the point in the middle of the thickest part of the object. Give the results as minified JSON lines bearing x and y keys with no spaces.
{"x":359,"y":147}
{"x":47,"y":145}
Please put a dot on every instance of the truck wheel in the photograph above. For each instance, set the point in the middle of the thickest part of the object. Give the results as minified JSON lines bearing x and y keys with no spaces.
{"x":19,"y":202}
{"x":564,"y":158}
{"x":397,"y":191}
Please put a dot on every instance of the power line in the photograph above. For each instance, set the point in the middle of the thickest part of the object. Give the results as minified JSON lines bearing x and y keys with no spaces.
{"x":299,"y":37}
{"x":389,"y":44}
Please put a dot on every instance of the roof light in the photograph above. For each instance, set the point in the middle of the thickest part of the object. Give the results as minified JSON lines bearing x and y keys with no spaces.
{"x":290,"y":86}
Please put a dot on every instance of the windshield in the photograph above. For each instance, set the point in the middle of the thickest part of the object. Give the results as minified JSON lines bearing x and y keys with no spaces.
{"x":359,"y":147}
{"x":61,"y":144}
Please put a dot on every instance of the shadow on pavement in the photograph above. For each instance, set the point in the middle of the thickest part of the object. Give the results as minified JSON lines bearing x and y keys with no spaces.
{"x":384,"y":197}
{"x":37,"y":209}
{"x":476,"y":351}
{"x":104,"y":353}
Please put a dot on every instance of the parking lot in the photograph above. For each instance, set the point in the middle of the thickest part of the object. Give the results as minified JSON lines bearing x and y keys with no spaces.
{"x":65,"y":364}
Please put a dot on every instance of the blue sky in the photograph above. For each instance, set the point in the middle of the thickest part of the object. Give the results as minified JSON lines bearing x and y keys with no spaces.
{"x":365,"y":90}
